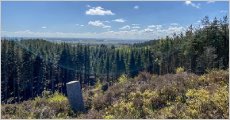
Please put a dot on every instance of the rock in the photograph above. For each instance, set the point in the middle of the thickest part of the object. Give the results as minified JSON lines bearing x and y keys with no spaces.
{"x":75,"y":95}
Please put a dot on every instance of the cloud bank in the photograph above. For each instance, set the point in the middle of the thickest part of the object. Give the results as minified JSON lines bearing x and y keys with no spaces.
{"x":98,"y":11}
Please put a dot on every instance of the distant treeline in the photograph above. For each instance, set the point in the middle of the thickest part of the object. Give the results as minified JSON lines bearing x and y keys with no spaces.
{"x":28,"y":67}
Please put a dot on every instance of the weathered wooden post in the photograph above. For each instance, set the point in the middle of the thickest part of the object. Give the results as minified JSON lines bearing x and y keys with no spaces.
{"x":75,"y":95}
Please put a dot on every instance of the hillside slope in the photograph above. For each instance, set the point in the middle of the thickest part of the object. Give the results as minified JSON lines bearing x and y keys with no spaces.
{"x":181,"y":95}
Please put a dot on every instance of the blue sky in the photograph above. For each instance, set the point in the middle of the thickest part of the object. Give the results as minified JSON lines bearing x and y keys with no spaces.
{"x":123,"y":20}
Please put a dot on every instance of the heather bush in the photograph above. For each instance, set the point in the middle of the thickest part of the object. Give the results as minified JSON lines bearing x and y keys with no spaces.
{"x":122,"y":109}
{"x":53,"y":106}
{"x":171,"y":96}
{"x":122,"y":79}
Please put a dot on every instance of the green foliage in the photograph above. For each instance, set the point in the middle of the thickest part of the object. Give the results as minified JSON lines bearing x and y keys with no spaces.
{"x":98,"y":85}
{"x":108,"y":117}
{"x":179,"y":70}
{"x":221,"y":100}
{"x":57,"y":97}
{"x":184,"y":96}
{"x":194,"y":99}
{"x":49,"y":107}
{"x":122,"y":79}
{"x":31,"y":66}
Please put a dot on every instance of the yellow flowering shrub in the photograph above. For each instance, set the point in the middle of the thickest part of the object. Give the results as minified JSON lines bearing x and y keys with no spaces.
{"x":149,"y":97}
{"x":57,"y":97}
{"x":108,"y":117}
{"x":195,"y":99}
{"x":98,"y":85}
{"x":218,"y":76}
{"x":180,"y":96}
{"x":122,"y":109}
{"x":180,"y":70}
{"x":221,"y":99}
{"x":123,"y":79}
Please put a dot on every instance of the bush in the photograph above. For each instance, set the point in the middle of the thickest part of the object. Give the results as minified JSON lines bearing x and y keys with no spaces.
{"x":122,"y":109}
{"x":122,"y":79}
{"x":49,"y":107}
{"x":184,"y":96}
{"x":179,"y":70}
{"x":57,"y":97}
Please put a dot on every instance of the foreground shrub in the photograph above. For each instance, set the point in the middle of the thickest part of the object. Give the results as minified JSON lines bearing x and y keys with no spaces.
{"x":171,"y":96}
{"x":54,"y":106}
{"x":179,"y":70}
{"x":122,"y":109}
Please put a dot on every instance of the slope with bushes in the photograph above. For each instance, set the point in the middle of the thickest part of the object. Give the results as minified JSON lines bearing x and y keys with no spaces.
{"x":181,"y":95}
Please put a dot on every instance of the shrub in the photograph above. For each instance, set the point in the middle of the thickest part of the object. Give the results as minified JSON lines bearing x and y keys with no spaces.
{"x":122,"y":109}
{"x":122,"y":79}
{"x":57,"y":97}
{"x":92,"y":114}
{"x":183,"y":95}
{"x":179,"y":70}
{"x":53,"y":106}
{"x":207,"y":103}
{"x":221,"y":100}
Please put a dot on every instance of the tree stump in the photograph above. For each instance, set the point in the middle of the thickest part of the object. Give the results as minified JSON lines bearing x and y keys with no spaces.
{"x":75,"y":96}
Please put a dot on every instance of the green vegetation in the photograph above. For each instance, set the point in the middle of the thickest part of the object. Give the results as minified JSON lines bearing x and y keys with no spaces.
{"x":32,"y":66}
{"x":179,"y":70}
{"x":182,"y":95}
{"x":48,"y":106}
{"x":182,"y":76}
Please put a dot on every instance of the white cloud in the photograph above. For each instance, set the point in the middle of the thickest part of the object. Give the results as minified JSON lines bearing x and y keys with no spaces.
{"x":126,"y":27}
{"x":107,"y":21}
{"x":98,"y":23}
{"x":151,"y":26}
{"x":175,"y":29}
{"x":174,"y":24}
{"x":155,"y":26}
{"x":136,"y":7}
{"x":136,"y":27}
{"x":133,"y":30}
{"x":210,"y":1}
{"x":192,"y":4}
{"x":79,"y":25}
{"x":135,"y":24}
{"x":148,"y":30}
{"x":106,"y":26}
{"x":145,"y":33}
{"x":24,"y":32}
{"x":121,"y":20}
{"x":188,"y":2}
{"x":98,"y":11}
{"x":197,"y":22}
{"x":44,"y":27}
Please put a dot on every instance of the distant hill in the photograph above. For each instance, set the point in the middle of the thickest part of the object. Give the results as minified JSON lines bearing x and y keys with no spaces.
{"x":93,"y":41}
